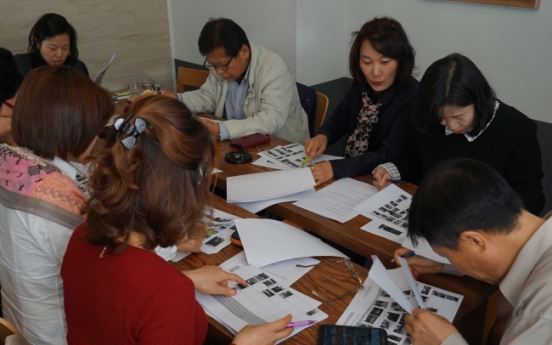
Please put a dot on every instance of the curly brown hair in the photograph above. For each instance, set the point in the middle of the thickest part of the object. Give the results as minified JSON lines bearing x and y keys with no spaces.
{"x":159,"y":187}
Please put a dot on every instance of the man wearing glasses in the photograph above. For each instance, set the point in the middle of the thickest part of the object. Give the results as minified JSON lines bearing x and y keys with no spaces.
{"x":249,"y":86}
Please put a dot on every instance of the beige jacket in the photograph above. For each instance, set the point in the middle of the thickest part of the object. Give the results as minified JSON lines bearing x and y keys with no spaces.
{"x":272,"y":103}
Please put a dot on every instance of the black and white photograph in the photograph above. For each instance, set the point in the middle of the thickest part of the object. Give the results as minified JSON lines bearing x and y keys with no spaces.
{"x":382,"y":304}
{"x":261,"y":276}
{"x":383,"y":294}
{"x":396,"y":307}
{"x":399,"y":329}
{"x":376,"y":311}
{"x":385,"y":324}
{"x":451,"y":298}
{"x":371,"y":319}
{"x":215,"y":241}
{"x":269,"y":282}
{"x":425,"y":290}
{"x":389,"y":229}
{"x":393,"y":317}
{"x":286,"y":294}
{"x":240,"y":287}
{"x":312,"y":312}
{"x":268,"y":293}
{"x":433,"y":310}
{"x":277,"y":288}
{"x":394,"y":338}
{"x":438,"y":294}
{"x":251,"y":281}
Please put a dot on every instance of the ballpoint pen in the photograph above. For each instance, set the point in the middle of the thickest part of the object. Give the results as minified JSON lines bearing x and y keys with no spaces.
{"x":305,"y":161}
{"x":407,"y":255}
{"x":300,"y":323}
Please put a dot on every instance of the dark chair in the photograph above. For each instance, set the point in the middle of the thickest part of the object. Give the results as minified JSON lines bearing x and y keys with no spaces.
{"x":315,"y":104}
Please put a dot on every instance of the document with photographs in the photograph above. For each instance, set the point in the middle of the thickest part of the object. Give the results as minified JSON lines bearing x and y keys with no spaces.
{"x":390,"y":205}
{"x":268,"y":185}
{"x":338,"y":200}
{"x":373,"y":306}
{"x":289,"y":157}
{"x":263,"y":299}
{"x":257,"y":206}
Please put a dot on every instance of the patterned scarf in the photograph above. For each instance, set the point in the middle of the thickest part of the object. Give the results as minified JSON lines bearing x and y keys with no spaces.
{"x":357,"y":143}
{"x":34,"y":185}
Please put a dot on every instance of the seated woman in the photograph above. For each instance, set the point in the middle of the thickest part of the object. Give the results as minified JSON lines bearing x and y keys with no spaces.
{"x":149,"y":187}
{"x":457,"y":114}
{"x":41,"y":193}
{"x":53,"y":42}
{"x":10,"y":80}
{"x":376,"y":110}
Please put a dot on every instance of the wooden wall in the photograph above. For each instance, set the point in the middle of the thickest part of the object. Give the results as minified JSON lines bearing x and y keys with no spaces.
{"x":137,"y":30}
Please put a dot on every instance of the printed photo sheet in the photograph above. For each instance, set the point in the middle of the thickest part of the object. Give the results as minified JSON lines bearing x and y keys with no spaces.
{"x":338,"y":200}
{"x":289,"y":157}
{"x":373,"y":307}
{"x":390,"y":205}
{"x":263,"y":299}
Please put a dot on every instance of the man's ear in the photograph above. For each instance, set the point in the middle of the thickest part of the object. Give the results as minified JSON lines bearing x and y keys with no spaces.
{"x":473,"y":240}
{"x":245,"y":51}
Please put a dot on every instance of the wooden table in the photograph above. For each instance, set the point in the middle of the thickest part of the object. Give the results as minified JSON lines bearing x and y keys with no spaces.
{"x":327,"y":280}
{"x":478,"y":310}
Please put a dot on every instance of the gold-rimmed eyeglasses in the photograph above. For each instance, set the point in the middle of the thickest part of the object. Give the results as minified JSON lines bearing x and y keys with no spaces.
{"x":221,"y":68}
{"x":354,"y":273}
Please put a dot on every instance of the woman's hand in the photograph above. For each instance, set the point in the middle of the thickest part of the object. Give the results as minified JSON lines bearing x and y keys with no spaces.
{"x":425,"y":327}
{"x":418,"y":264}
{"x":315,"y":146}
{"x":381,"y":175}
{"x":213,"y":280}
{"x":322,"y":172}
{"x":169,"y":94}
{"x":266,"y":334}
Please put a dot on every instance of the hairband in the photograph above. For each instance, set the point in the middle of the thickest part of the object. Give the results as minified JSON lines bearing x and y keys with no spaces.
{"x":131,"y":130}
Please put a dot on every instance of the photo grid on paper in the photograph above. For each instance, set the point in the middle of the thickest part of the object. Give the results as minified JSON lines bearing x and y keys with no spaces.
{"x":387,"y":314}
{"x":266,"y":299}
{"x":394,"y":211}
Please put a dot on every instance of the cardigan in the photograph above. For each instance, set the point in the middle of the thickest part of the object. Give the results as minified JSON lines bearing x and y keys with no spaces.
{"x":388,"y":138}
{"x":24,"y":64}
{"x":509,"y":145}
{"x":134,"y":297}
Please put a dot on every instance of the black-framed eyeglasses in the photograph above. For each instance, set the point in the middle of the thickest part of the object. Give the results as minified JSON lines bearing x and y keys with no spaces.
{"x":222,"y":68}
{"x":354,"y":273}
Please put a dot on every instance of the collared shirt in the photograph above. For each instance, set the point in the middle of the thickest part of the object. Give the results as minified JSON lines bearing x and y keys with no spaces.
{"x":470,"y":138}
{"x":233,"y":105}
{"x":527,"y":287}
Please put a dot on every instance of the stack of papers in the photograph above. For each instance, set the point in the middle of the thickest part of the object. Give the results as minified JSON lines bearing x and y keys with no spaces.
{"x":265,"y":298}
{"x":288,"y":157}
{"x":255,"y":192}
{"x":338,"y":200}
{"x":267,"y":241}
{"x":388,"y":295}
{"x":389,"y":211}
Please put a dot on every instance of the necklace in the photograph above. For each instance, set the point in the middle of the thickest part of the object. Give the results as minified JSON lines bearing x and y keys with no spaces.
{"x":103,"y":251}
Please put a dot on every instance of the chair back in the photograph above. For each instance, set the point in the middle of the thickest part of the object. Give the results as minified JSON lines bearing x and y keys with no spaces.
{"x":321,"y":110}
{"x":10,"y":335}
{"x":190,"y":77}
{"x":307,"y":97}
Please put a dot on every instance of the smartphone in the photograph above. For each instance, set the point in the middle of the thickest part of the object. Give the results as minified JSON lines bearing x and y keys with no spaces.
{"x":337,"y":335}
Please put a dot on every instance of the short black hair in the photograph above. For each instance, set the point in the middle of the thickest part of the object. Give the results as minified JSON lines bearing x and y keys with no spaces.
{"x":453,"y":80}
{"x":10,"y":78}
{"x":461,"y":195}
{"x":222,"y":33}
{"x":48,"y":26}
{"x":387,"y":36}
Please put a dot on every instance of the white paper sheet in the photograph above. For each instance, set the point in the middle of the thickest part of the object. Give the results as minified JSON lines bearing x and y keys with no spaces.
{"x":267,"y":241}
{"x":373,"y":307}
{"x":424,"y":249}
{"x":263,"y":299}
{"x":289,"y":157}
{"x":339,"y":199}
{"x":384,"y":229}
{"x":268,"y":185}
{"x":100,"y":75}
{"x":391,"y":205}
{"x":179,"y":256}
{"x":258,"y":206}
{"x":378,"y":273}
{"x":411,"y":282}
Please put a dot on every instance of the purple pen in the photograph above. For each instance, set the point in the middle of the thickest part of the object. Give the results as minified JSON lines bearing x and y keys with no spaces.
{"x":300,"y":323}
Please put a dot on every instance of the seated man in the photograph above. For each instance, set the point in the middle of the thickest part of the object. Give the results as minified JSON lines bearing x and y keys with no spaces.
{"x":470,"y":215}
{"x":248,"y":85}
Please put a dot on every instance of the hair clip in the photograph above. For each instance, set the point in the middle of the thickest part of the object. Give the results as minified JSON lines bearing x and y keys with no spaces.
{"x":131,"y":130}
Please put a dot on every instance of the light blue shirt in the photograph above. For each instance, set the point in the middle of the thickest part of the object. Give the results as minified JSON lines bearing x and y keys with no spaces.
{"x":235,"y":98}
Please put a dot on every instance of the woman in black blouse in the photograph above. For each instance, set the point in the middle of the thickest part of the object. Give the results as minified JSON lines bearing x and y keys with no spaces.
{"x":52,"y":41}
{"x":375,"y":112}
{"x":457,"y":115}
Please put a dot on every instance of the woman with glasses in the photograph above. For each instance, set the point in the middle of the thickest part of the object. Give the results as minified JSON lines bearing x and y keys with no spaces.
{"x":53,"y":42}
{"x":457,"y":114}
{"x":375,"y":113}
{"x":249,"y":86}
{"x":149,"y":187}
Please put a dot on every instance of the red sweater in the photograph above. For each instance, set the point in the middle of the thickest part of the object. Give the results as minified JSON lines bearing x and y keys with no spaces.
{"x":131,"y":298}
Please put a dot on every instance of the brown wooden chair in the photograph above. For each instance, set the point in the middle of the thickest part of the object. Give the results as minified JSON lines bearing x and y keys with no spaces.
{"x":321,"y":109}
{"x":7,"y":329}
{"x":190,"y":77}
